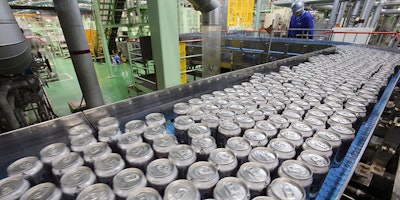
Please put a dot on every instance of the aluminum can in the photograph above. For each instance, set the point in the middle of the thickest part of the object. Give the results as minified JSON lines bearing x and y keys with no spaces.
{"x":269,"y":128}
{"x":225,"y":161}
{"x":181,"y":126}
{"x":249,"y":104}
{"x":181,"y":108}
{"x":80,"y":143}
{"x":107,"y":122}
{"x":324,"y":108}
{"x":153,"y":132}
{"x":221,"y":103}
{"x":210,"y":109}
{"x":332,"y":138}
{"x":279,"y":121}
{"x":297,"y":171}
{"x":256,"y":114}
{"x":347,"y":135}
{"x":237,"y":108}
{"x":334,"y":105}
{"x":163,"y":144}
{"x":318,"y":145}
{"x":207,"y":98}
{"x":13,"y":187}
{"x":278,"y":104}
{"x":303,"y":104}
{"x":181,"y":190}
{"x":53,"y":151}
{"x":245,"y":122}
{"x":144,"y":193}
{"x":219,"y":94}
{"x":268,"y":109}
{"x":212,"y":121}
{"x":65,"y":163}
{"x":97,"y":191}
{"x":107,"y":166}
{"x":240,"y":147}
{"x":255,"y":176}
{"x":315,"y":123}
{"x":291,"y":115}
{"x":139,"y":155}
{"x":256,"y":137}
{"x":317,"y":113}
{"x":183,"y":156}
{"x":226,"y":130}
{"x":293,"y":136}
{"x":284,"y":188}
{"x":319,"y":165}
{"x":203,"y":147}
{"x":346,"y":114}
{"x":154,"y":119}
{"x":160,"y":173}
{"x":198,"y":130}
{"x":341,"y":121}
{"x":196,"y":115}
{"x":203,"y":175}
{"x":47,"y":191}
{"x":267,"y":157}
{"x":196,"y":103}
{"x":136,"y":126}
{"x":126,"y":140}
{"x":360,"y":112}
{"x":95,"y":151}
{"x":75,"y":180}
{"x":303,"y":128}
{"x":262,"y":198}
{"x":226,"y":114}
{"x":231,"y":188}
{"x":110,"y":135}
{"x":127,"y":181}
{"x":82,"y":129}
{"x":284,"y":149}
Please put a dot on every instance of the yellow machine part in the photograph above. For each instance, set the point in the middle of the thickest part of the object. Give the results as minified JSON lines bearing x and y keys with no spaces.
{"x":240,"y":13}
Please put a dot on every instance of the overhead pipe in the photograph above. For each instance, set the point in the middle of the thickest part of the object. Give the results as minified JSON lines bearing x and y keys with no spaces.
{"x":332,"y":18}
{"x":354,"y":13}
{"x":377,"y":14}
{"x":209,"y":9}
{"x":15,"y":49}
{"x":342,"y":8}
{"x":71,"y":24}
{"x":390,"y":11}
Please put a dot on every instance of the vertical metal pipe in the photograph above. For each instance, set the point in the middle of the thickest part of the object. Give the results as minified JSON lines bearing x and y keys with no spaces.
{"x":332,"y":18}
{"x":258,"y":13}
{"x":354,"y":13}
{"x":348,"y":15}
{"x":366,"y":12}
{"x":71,"y":23}
{"x":342,"y":8}
{"x":377,"y":14}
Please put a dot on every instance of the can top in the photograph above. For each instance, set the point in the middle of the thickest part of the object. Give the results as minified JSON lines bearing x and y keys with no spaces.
{"x":82,"y":129}
{"x":279,"y":119}
{"x":202,"y":172}
{"x":211,"y":121}
{"x":231,"y":188}
{"x":226,"y":114}
{"x":203,"y":142}
{"x":160,"y":168}
{"x":96,"y":150}
{"x":244,"y":121}
{"x":281,"y":145}
{"x":328,"y":135}
{"x":139,"y":150}
{"x":318,"y":144}
{"x":263,"y":155}
{"x":183,"y":122}
{"x":237,"y":108}
{"x":67,"y":161}
{"x":254,"y":172}
{"x":198,"y":130}
{"x":195,"y":113}
{"x":238,"y":144}
{"x":347,"y":114}
{"x":181,"y":108}
{"x":129,"y":138}
{"x":82,"y":140}
{"x":284,"y":188}
{"x":137,"y":126}
{"x":98,"y":191}
{"x":155,"y":119}
{"x":53,"y":150}
{"x":255,"y":135}
{"x":154,"y":131}
{"x":336,"y":119}
{"x":181,"y":189}
{"x":46,"y":191}
{"x":221,"y":102}
{"x":229,"y":127}
{"x":262,"y":198}
{"x":110,"y":133}
{"x":164,"y":143}
{"x":207,"y":97}
{"x":255,"y":113}
{"x":219,"y":94}
{"x":129,"y":178}
{"x":13,"y":187}
{"x":268,"y":127}
{"x":210,"y":108}
{"x":317,"y":113}
{"x":108,"y":121}
{"x":296,"y":169}
{"x":356,"y":109}
{"x":343,"y":130}
{"x":195,"y":101}
{"x":290,"y":134}
{"x":222,"y":156}
{"x":109,"y":165}
{"x":144,"y":193}
{"x":291,"y":114}
{"x":78,"y":177}
{"x":181,"y":153}
{"x":318,"y":163}
{"x":314,"y":121}
{"x":301,"y":126}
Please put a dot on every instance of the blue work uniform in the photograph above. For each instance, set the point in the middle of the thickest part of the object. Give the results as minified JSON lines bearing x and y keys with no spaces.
{"x":304,"y":21}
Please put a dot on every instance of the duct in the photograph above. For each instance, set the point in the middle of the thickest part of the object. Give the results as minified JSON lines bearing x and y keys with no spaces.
{"x":342,"y":8}
{"x":15,"y":49}
{"x":332,"y":18}
{"x":377,"y":14}
{"x":354,"y":13}
{"x":71,"y":24}
{"x":204,"y":6}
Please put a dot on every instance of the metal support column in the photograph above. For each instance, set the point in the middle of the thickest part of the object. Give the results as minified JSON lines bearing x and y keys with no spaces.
{"x":71,"y":24}
{"x":354,"y":13}
{"x":163,"y":18}
{"x":342,"y":8}
{"x":332,"y":18}
{"x":366,"y":12}
{"x":377,"y":14}
{"x":258,"y":13}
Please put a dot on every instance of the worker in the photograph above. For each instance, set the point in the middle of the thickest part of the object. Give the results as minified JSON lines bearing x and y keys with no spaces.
{"x":300,"y":19}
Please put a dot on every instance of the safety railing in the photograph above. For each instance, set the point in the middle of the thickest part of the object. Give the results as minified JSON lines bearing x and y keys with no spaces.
{"x":363,"y":37}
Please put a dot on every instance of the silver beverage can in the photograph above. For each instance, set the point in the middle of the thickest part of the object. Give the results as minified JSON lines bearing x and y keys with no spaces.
{"x":221,"y":103}
{"x":196,"y":103}
{"x":181,"y":126}
{"x":226,"y":130}
{"x":231,"y":188}
{"x":107,"y":166}
{"x":225,"y":161}
{"x":75,"y":180}
{"x":346,"y":114}
{"x":318,"y":145}
{"x":256,"y":114}
{"x":110,"y":135}
{"x":226,"y":114}
{"x":279,"y":121}
{"x":127,"y":181}
{"x":255,"y":176}
{"x":53,"y":151}
{"x":249,"y":104}
{"x":128,"y":139}
{"x":81,"y":142}
{"x":203,"y":147}
{"x":347,"y":135}
{"x":181,"y":108}
{"x":219,"y":94}
{"x":96,"y":192}
{"x":107,"y":122}
{"x":339,"y":120}
{"x":317,"y":113}
{"x":315,"y":123}
{"x":181,"y":190}
{"x":332,"y":138}
{"x":319,"y":165}
{"x":268,"y":109}
{"x":324,"y":108}
{"x":163,"y":144}
{"x":269,"y":128}
{"x":144,"y":193}
{"x":284,"y":188}
{"x":203,"y":175}
{"x":297,"y":171}
{"x":293,"y":136}
{"x":262,"y":198}
{"x":65,"y":163}
{"x":13,"y":187}
{"x":153,"y":132}
{"x":334,"y":105}
{"x":82,"y":129}
{"x":196,"y":115}
{"x":95,"y":151}
{"x":360,"y":112}
{"x":265,"y":156}
{"x":284,"y":149}
{"x":136,"y":126}
{"x":183,"y":156}
{"x":47,"y":191}
{"x":154,"y":119}
{"x":245,"y":122}
{"x":207,"y":98}
{"x":303,"y":104}
{"x":160,"y":173}
{"x":278,"y":104}
{"x":302,"y":127}
{"x":212,"y":121}
{"x":198,"y":130}
{"x":240,"y":147}
{"x":291,"y":115}
{"x":256,"y":137}
{"x":139,"y":155}
{"x":237,"y":108}
{"x":209,"y":109}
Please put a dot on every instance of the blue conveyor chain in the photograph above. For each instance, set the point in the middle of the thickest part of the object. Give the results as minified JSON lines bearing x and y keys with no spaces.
{"x":338,"y":178}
